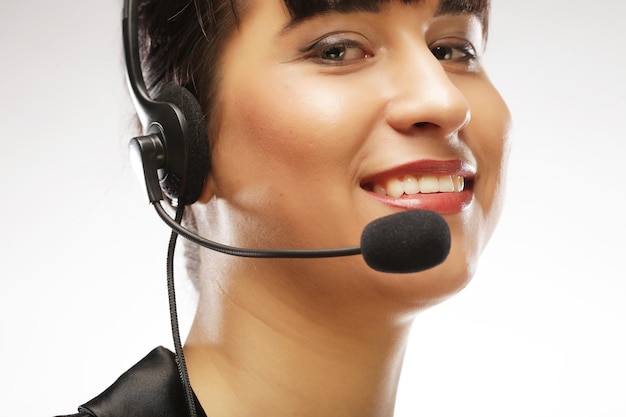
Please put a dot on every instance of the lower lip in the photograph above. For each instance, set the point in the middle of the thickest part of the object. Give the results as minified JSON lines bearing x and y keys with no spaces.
{"x":442,"y":203}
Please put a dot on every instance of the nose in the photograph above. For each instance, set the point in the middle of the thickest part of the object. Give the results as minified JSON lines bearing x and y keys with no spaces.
{"x":424,"y":98}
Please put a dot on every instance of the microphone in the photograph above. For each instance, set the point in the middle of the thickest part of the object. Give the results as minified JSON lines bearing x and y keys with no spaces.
{"x":409,"y":241}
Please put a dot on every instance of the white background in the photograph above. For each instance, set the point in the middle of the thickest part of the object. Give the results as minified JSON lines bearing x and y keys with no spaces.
{"x":539,"y":332}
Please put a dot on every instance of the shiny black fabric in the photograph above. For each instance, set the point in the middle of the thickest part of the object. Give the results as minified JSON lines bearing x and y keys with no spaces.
{"x":151,"y":388}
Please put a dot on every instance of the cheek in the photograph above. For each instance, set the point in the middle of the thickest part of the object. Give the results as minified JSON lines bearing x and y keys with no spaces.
{"x":488,"y":136}
{"x":286,"y":147}
{"x":257,"y":119}
{"x":297,"y":125}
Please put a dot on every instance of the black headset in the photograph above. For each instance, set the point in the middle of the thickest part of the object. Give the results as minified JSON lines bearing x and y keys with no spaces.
{"x":173,"y":154}
{"x":175,"y":148}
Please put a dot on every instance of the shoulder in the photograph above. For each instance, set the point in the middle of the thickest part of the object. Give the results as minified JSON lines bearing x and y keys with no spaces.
{"x":151,"y":388}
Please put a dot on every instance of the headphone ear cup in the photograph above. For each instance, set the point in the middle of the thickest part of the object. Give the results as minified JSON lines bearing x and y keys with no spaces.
{"x":186,"y":174}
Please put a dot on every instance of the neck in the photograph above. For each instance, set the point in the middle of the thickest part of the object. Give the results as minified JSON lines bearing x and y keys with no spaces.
{"x":251,"y":352}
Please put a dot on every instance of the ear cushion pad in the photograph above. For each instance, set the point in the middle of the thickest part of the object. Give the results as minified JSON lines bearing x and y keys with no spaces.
{"x":189,"y":178}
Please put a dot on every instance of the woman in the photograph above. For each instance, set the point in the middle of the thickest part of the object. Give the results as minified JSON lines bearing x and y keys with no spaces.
{"x":322,"y":116}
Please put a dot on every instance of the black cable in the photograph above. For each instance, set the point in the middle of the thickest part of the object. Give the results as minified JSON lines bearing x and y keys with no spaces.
{"x":254,"y":253}
{"x":171,"y":291}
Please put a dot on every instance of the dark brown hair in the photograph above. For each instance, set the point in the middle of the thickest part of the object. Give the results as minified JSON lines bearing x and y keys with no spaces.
{"x":181,"y":42}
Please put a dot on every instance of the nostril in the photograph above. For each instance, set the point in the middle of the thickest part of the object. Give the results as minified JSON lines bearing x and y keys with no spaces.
{"x":421,"y":125}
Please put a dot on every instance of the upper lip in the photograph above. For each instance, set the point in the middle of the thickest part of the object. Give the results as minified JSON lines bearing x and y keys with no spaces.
{"x":424,"y":167}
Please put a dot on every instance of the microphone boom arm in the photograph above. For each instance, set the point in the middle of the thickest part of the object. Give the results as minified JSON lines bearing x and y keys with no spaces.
{"x":253,"y":253}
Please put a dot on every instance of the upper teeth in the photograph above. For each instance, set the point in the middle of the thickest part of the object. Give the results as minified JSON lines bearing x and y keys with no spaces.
{"x":409,"y":184}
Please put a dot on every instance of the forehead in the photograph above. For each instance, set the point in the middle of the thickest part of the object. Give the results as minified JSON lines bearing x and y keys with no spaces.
{"x":303,"y":9}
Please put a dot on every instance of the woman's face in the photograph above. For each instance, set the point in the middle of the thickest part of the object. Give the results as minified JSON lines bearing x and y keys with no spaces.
{"x":333,"y":121}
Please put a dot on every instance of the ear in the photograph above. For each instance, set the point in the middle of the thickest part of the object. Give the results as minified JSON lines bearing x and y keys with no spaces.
{"x":208,"y":191}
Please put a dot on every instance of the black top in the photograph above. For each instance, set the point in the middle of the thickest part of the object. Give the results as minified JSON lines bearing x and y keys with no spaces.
{"x":151,"y":388}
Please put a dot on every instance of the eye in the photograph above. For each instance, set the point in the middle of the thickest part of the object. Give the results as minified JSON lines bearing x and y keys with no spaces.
{"x":342,"y":51}
{"x":454,"y":52}
{"x":456,"y":55}
{"x":337,"y":51}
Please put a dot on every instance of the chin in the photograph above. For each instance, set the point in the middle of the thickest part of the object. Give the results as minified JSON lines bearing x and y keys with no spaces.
{"x":411,"y":293}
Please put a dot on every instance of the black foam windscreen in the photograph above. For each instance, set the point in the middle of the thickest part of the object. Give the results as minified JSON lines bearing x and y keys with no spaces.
{"x":410,"y":241}
{"x":185,"y":174}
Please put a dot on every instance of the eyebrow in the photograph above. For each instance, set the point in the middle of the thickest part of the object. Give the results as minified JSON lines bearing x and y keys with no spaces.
{"x":445,"y":7}
{"x":479,"y":8}
{"x":316,"y":8}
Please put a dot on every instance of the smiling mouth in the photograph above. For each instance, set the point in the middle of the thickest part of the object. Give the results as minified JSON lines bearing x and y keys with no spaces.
{"x":411,"y":185}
